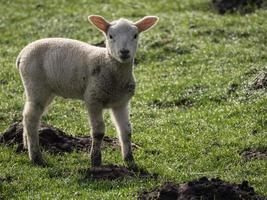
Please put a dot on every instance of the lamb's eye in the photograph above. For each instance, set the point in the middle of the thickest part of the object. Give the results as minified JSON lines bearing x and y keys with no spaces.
{"x":135,"y":36}
{"x":110,"y":36}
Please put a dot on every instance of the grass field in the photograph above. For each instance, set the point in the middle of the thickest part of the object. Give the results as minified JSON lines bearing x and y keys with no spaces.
{"x":193,"y":113}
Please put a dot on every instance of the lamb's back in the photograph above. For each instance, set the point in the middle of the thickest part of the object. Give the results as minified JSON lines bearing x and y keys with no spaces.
{"x":64,"y":64}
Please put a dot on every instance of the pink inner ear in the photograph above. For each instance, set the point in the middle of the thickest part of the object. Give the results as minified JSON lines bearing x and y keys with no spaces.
{"x":146,"y":23}
{"x":99,"y":23}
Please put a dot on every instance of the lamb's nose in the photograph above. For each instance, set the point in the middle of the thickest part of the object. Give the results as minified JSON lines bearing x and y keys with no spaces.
{"x":124,"y":53}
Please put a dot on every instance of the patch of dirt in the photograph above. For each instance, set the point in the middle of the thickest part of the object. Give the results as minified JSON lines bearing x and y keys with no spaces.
{"x":260,"y":153}
{"x":179,"y":50}
{"x":160,"y":43}
{"x":260,"y":81}
{"x":187,"y":98}
{"x":3,"y":82}
{"x":54,"y":140}
{"x":183,"y":102}
{"x":203,"y":189}
{"x":7,"y":179}
{"x":243,"y":6}
{"x":232,"y":88}
{"x":112,"y":172}
{"x":169,"y":45}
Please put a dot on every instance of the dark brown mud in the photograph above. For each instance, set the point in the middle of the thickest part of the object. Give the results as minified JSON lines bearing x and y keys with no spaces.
{"x":54,"y":140}
{"x":204,"y":189}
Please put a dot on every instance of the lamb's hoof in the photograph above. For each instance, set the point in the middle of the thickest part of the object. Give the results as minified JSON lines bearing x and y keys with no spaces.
{"x":96,"y":160}
{"x":39,"y":161}
{"x":131,"y":165}
{"x":96,"y":164}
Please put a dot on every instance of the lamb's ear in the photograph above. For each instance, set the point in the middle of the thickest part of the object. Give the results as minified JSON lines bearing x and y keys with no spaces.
{"x":99,"y":22}
{"x":146,"y":23}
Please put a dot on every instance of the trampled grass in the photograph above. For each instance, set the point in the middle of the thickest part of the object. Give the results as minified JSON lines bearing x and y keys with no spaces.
{"x":193,"y":113}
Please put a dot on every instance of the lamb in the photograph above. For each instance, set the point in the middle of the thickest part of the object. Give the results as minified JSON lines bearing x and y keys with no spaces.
{"x":100,"y":76}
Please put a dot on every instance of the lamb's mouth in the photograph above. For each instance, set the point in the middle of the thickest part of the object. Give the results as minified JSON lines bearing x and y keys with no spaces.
{"x":124,"y":57}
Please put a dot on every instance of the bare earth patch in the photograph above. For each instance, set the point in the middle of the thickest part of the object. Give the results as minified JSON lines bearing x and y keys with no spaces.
{"x":203,"y":189}
{"x":5,"y":179}
{"x":249,"y":154}
{"x":183,"y":102}
{"x":112,"y":172}
{"x":54,"y":140}
{"x":244,"y":6}
{"x":260,"y":81}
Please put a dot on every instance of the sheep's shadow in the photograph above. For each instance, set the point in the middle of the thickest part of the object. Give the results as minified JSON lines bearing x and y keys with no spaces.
{"x":109,"y":174}
{"x":113,"y":172}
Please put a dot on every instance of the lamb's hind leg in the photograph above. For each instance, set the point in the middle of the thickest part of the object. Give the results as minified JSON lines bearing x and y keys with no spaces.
{"x":25,"y":112}
{"x":31,"y":118}
{"x":37,"y":100}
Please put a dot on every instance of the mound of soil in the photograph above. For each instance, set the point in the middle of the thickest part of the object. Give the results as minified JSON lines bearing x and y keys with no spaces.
{"x":203,"y":189}
{"x":111,"y":172}
{"x":183,"y":102}
{"x":245,"y":6}
{"x":54,"y":140}
{"x":255,"y":154}
{"x":5,"y":179}
{"x":260,"y":81}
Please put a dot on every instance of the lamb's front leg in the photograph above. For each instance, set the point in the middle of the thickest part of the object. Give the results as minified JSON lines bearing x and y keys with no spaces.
{"x":98,"y":131}
{"x":120,"y":117}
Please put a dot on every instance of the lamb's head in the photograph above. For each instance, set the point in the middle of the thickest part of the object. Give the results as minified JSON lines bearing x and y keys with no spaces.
{"x":122,"y":35}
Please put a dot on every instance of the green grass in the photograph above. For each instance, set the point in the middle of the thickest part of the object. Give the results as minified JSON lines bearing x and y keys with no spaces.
{"x":193,"y":55}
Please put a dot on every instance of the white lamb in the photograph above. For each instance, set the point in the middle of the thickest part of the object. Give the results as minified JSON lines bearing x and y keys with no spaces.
{"x":102,"y":77}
